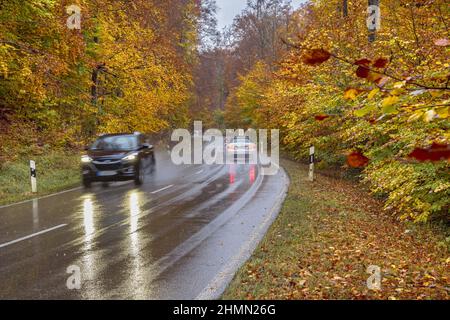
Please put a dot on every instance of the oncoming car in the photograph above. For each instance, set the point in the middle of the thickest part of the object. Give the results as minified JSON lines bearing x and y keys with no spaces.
{"x":117,"y":157}
{"x":242,"y":147}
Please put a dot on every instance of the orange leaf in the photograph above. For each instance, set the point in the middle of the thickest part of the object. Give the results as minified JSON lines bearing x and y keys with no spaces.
{"x":352,"y":93}
{"x":357,"y":160}
{"x":315,"y":57}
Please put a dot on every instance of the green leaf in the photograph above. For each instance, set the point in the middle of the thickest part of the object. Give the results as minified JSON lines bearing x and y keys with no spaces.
{"x":362,"y":112}
{"x":388,"y":104}
{"x":373,"y":93}
{"x":390,"y":101}
{"x":388,"y":109}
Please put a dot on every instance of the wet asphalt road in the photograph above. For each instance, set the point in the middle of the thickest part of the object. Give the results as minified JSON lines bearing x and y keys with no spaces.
{"x":168,"y":239}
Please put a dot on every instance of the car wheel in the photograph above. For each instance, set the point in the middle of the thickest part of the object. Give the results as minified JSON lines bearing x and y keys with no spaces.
{"x":140,"y":175}
{"x":87,"y":183}
{"x":153,"y":163}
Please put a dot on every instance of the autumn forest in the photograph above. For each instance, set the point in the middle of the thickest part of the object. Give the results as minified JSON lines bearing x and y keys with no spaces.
{"x":373,"y":103}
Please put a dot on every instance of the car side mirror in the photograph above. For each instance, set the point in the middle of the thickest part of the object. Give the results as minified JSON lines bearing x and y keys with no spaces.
{"x":145,"y":146}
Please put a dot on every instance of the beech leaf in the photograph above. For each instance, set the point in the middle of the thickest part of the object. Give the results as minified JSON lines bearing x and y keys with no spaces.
{"x":315,"y":57}
{"x":380,"y":63}
{"x":357,"y":160}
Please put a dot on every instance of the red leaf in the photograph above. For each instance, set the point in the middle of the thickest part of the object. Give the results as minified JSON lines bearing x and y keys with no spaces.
{"x":436,"y":152}
{"x":363,"y":62}
{"x":362,"y":72}
{"x":315,"y":57}
{"x":321,"y":117}
{"x":380,"y":63}
{"x":357,"y":160}
{"x":419,"y":154}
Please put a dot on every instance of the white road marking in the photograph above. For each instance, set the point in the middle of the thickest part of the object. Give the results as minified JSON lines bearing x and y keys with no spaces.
{"x":199,"y":172}
{"x":31,"y":235}
{"x":162,"y":189}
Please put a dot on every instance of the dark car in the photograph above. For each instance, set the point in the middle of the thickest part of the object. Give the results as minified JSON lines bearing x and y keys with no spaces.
{"x":118,"y":157}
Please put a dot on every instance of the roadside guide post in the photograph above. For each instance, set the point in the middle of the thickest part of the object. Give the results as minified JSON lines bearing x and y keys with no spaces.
{"x":374,"y":19}
{"x":311,"y":163}
{"x":33,"y":176}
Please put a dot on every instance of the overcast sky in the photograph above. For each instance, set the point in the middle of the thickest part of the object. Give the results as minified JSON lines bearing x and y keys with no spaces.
{"x":228,"y":9}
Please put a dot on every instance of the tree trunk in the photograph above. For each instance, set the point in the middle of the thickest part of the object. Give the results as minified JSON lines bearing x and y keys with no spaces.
{"x":344,"y":8}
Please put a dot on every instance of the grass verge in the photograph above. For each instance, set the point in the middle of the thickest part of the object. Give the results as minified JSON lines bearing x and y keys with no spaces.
{"x":327,"y":234}
{"x":56,"y":171}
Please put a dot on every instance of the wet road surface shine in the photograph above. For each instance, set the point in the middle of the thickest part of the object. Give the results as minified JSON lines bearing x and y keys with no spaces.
{"x":131,"y":243}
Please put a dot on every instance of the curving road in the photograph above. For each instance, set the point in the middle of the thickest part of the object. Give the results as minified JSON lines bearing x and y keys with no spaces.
{"x":181,"y":235}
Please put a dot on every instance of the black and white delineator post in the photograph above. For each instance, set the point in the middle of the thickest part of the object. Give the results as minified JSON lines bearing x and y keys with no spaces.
{"x":374,"y":19}
{"x":311,"y":163}
{"x":33,"y":176}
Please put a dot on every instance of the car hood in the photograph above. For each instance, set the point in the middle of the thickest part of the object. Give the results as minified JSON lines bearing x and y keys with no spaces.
{"x":106,"y":154}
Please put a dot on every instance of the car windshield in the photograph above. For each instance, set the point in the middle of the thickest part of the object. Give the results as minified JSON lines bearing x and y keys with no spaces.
{"x":241,"y":140}
{"x":114,"y":143}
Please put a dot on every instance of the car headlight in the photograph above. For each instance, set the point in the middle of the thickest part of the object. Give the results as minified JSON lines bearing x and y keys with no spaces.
{"x":86,"y":159}
{"x":131,"y":157}
{"x":231,"y":147}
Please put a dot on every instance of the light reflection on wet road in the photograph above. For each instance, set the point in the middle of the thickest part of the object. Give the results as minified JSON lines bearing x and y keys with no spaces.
{"x":150,"y":242}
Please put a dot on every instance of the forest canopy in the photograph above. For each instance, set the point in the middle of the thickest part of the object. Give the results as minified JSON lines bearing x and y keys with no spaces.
{"x":129,"y":67}
{"x":375,"y":102}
